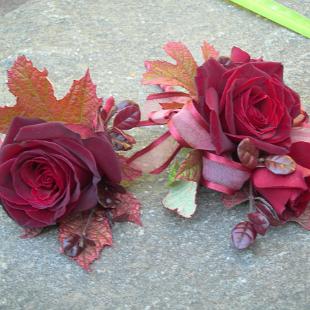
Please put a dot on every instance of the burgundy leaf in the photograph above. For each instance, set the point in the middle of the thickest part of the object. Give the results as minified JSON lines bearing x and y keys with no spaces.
{"x":127,"y":209}
{"x":124,"y":104}
{"x":303,"y":219}
{"x":236,"y":199}
{"x":128,"y":173}
{"x":280,"y":164}
{"x":120,"y":140}
{"x":83,"y":236}
{"x":128,"y":117}
{"x":243,"y":235}
{"x":29,"y":233}
{"x":248,"y":153}
{"x":259,"y":221}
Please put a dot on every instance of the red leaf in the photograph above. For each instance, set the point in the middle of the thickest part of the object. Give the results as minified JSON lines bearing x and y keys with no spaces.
{"x":128,"y":117}
{"x":127,"y":210}
{"x":29,"y":233}
{"x":248,"y":153}
{"x":128,"y":173}
{"x":243,"y":235}
{"x":303,"y":219}
{"x":94,"y":238}
{"x":259,"y":221}
{"x":208,"y":51}
{"x":238,"y":198}
{"x":280,"y":164}
{"x":180,"y":74}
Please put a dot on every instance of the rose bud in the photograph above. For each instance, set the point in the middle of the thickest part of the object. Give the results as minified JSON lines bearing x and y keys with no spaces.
{"x":48,"y":171}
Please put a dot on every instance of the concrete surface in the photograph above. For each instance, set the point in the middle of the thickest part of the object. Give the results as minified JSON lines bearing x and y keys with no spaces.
{"x":170,"y":263}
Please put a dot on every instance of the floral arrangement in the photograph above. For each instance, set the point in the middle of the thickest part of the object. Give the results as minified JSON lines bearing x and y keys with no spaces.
{"x":233,"y":126}
{"x":59,"y":165}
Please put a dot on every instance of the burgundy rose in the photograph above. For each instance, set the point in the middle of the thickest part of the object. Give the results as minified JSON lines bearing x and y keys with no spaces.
{"x":48,"y":171}
{"x":242,"y":98}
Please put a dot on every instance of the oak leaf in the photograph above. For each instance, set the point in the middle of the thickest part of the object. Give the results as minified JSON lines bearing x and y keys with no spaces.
{"x":208,"y":51}
{"x":180,"y":74}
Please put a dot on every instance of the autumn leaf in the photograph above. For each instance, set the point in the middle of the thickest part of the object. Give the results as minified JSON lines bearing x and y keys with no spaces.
{"x":208,"y":51}
{"x":80,"y":105}
{"x":180,"y":74}
{"x":127,"y":209}
{"x":190,"y":167}
{"x":84,"y":235}
{"x":35,"y":97}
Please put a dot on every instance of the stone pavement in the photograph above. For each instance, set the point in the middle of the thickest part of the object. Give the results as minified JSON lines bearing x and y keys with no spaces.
{"x":170,"y":263}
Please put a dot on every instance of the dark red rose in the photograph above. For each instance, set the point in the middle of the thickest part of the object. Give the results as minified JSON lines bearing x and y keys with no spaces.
{"x":47,"y":171}
{"x":242,"y":98}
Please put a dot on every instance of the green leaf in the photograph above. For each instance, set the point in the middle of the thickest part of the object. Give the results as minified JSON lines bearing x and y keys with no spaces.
{"x":173,"y":169}
{"x":182,"y":198}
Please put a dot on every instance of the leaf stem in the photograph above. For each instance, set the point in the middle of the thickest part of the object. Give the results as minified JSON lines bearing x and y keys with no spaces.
{"x":88,"y":222}
{"x":251,"y":197}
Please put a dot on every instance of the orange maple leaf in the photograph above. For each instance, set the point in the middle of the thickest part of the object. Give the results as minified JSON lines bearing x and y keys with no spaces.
{"x":35,"y":97}
{"x":180,"y":74}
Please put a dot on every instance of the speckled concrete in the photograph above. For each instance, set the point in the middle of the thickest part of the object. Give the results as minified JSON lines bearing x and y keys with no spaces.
{"x":170,"y":263}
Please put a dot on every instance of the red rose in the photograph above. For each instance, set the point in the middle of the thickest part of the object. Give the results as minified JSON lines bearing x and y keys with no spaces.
{"x":48,"y":171}
{"x":246,"y":98}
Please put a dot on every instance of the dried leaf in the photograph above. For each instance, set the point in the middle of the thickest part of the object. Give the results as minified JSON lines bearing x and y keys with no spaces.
{"x":259,"y":221}
{"x":29,"y":233}
{"x":94,"y":238}
{"x":190,"y":167}
{"x":280,"y":164}
{"x":248,"y":153}
{"x":303,"y":219}
{"x":238,"y":198}
{"x":127,"y":209}
{"x":243,"y":235}
{"x":209,"y":51}
{"x":182,"y":198}
{"x":81,"y":104}
{"x":128,"y":117}
{"x":128,"y":173}
{"x":35,"y":97}
{"x":180,"y":74}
